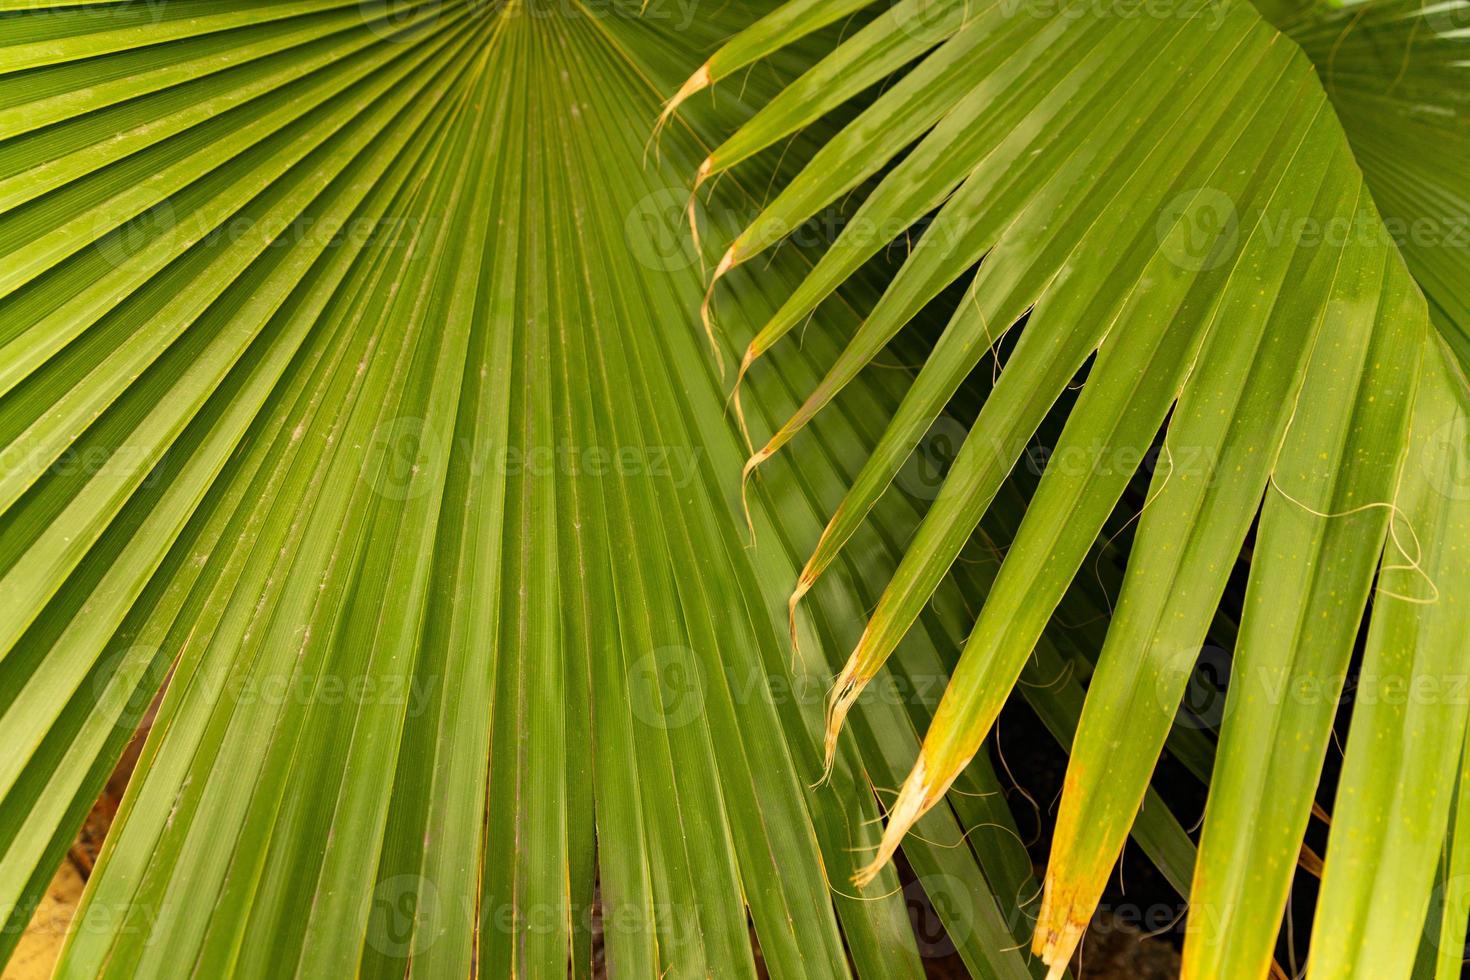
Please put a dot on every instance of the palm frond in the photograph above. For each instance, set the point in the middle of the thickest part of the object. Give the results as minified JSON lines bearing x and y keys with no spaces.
{"x":1175,"y":209}
{"x":351,"y":380}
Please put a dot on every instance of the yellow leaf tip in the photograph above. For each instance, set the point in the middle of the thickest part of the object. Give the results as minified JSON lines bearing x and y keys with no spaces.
{"x":753,"y":462}
{"x":746,"y":360}
{"x":727,"y":262}
{"x":845,"y":692}
{"x":707,"y":321}
{"x":740,"y":408}
{"x":745,"y":497}
{"x":694,"y":83}
{"x":911,"y":804}
{"x":1059,"y":929}
{"x":791,"y":604}
{"x":705,"y":316}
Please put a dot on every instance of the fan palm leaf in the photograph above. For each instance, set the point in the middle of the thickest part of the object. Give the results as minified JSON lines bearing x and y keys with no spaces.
{"x":351,"y":381}
{"x":355,"y":393}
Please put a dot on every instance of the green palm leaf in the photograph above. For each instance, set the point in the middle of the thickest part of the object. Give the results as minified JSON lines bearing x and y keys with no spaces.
{"x":1175,"y":208}
{"x":351,"y":380}
{"x":356,"y":390}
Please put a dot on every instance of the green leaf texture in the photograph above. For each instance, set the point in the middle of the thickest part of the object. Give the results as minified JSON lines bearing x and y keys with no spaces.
{"x":1176,"y":216}
{"x":352,"y":382}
